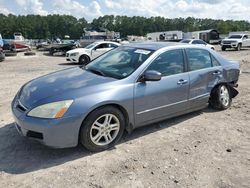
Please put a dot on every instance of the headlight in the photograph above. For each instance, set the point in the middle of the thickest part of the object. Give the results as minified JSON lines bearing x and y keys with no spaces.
{"x":74,"y":54}
{"x":51,"y":110}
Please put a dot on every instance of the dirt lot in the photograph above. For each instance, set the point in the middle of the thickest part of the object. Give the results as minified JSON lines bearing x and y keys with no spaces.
{"x":202,"y":149}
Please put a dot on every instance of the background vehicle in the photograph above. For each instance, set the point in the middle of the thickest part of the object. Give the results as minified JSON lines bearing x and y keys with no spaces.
{"x":85,"y":55}
{"x":197,"y":42}
{"x":236,"y":41}
{"x":2,"y":55}
{"x":61,"y":47}
{"x":128,"y":87}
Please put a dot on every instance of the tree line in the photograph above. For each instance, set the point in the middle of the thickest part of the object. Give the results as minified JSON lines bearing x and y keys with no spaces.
{"x":50,"y":26}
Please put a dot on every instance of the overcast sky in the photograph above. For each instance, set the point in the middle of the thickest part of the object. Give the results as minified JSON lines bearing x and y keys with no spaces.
{"x":217,"y":9}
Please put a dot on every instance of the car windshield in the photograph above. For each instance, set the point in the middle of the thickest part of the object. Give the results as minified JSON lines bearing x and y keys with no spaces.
{"x":235,"y":37}
{"x":91,"y":45}
{"x":119,"y":63}
{"x":185,"y":41}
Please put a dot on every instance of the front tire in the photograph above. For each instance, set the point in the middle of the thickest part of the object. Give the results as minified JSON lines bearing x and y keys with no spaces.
{"x":238,"y":48}
{"x":84,"y":60}
{"x":220,"y":98}
{"x":223,"y":48}
{"x":102,"y":129}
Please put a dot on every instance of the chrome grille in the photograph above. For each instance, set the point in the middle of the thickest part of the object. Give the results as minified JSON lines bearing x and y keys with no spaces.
{"x":227,"y":42}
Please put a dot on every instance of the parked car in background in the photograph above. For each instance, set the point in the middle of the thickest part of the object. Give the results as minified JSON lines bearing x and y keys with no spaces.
{"x":197,"y":42}
{"x":236,"y":41}
{"x":2,"y":55}
{"x":128,"y":87}
{"x":61,"y":46}
{"x":85,"y":55}
{"x":43,"y":43}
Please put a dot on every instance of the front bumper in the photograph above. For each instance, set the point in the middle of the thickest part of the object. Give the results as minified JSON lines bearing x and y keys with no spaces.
{"x":72,"y":58}
{"x":232,"y":45}
{"x":57,"y":133}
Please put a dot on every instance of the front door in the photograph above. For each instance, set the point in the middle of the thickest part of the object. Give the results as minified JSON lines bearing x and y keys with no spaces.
{"x":100,"y":49}
{"x":160,"y":99}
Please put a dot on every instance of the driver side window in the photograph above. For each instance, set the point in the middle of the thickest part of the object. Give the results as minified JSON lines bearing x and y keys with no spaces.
{"x":100,"y":46}
{"x":169,"y":63}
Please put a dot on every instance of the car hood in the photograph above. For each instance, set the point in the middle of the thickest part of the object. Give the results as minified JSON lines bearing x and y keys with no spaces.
{"x":209,"y":45}
{"x":61,"y":84}
{"x":231,"y":39}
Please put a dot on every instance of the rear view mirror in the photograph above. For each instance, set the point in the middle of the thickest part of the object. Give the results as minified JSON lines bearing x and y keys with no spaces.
{"x":150,"y":75}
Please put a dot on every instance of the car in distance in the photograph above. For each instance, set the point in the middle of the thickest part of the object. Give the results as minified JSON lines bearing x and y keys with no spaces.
{"x":128,"y":87}
{"x":236,"y":41}
{"x":197,"y":42}
{"x":85,"y":55}
{"x":2,"y":55}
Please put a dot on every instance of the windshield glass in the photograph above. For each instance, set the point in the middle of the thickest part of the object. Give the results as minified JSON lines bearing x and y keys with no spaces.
{"x":91,"y":45}
{"x":120,"y":62}
{"x":235,"y":37}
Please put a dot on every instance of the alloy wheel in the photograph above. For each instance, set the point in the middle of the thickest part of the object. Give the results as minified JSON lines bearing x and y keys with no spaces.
{"x":224,"y":95}
{"x":105,"y":129}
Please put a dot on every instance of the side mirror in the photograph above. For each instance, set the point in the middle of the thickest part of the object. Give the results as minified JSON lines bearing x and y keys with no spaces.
{"x":150,"y":75}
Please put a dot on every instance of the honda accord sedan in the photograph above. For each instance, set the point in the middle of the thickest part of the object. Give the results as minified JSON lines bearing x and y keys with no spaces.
{"x":129,"y":87}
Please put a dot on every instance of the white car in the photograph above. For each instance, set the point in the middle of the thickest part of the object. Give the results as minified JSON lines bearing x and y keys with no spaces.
{"x":197,"y":42}
{"x":90,"y":52}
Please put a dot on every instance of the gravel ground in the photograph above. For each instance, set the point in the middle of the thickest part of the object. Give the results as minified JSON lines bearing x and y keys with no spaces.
{"x":207,"y":148}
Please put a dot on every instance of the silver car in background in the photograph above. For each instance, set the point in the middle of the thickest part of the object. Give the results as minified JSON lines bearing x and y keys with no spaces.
{"x":128,"y":87}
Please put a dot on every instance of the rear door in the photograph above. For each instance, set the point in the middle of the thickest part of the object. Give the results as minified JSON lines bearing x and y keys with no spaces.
{"x":204,"y":73}
{"x":161,"y":99}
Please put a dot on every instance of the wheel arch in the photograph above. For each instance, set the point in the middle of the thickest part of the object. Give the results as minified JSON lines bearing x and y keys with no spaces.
{"x":128,"y":125}
{"x":84,"y":55}
{"x":233,"y":92}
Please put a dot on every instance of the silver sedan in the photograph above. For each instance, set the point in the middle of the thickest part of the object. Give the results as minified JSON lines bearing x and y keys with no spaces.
{"x":128,"y":87}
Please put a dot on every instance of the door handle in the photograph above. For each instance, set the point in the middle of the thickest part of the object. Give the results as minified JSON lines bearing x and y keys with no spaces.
{"x":216,"y":72}
{"x":182,"y":81}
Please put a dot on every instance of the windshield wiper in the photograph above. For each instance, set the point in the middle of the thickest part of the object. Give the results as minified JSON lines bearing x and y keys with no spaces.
{"x":98,"y":72}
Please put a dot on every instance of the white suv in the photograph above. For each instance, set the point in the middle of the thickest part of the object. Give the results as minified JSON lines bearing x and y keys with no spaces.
{"x":85,"y":55}
{"x":235,"y":41}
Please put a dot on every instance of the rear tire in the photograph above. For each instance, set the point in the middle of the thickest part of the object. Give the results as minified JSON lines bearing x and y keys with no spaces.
{"x":102,"y":129}
{"x":84,"y":60}
{"x":51,"y":51}
{"x":220,"y":98}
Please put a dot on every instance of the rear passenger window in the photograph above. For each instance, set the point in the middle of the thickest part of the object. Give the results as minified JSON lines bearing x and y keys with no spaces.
{"x":112,"y":46}
{"x":198,"y":59}
{"x":169,"y":63}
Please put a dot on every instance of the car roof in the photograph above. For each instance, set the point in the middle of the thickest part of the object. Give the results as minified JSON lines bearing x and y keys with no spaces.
{"x":153,"y":45}
{"x":101,"y":42}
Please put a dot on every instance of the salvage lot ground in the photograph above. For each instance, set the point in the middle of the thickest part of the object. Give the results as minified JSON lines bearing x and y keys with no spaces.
{"x":202,"y":149}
